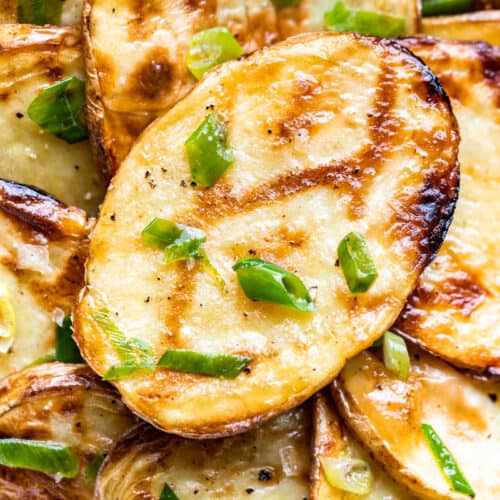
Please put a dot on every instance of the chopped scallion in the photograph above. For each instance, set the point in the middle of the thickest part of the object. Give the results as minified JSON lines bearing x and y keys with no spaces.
{"x":39,"y":12}
{"x":92,"y":469}
{"x":167,"y":493}
{"x":396,"y":357}
{"x":364,"y":22}
{"x":208,"y":151}
{"x":348,"y":474}
{"x":213,"y":365}
{"x":446,"y":461}
{"x":281,"y":4}
{"x":42,"y":456}
{"x":209,"y":48}
{"x":58,"y":110}
{"x":356,"y":263}
{"x":445,"y":7}
{"x":66,"y":349}
{"x":267,"y":282}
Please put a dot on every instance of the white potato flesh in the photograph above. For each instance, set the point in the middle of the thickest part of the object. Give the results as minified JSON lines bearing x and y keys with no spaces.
{"x":361,"y":139}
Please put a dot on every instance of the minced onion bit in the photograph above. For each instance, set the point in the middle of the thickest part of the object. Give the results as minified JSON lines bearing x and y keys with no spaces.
{"x":348,"y":474}
{"x":396,"y":357}
{"x":42,"y":456}
{"x":209,"y":48}
{"x":7,"y":320}
{"x":445,"y":459}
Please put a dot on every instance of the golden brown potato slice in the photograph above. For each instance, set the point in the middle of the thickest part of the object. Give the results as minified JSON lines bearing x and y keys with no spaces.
{"x":136,"y":64}
{"x":308,"y":15}
{"x":455,"y":309}
{"x":331,"y":133}
{"x":42,"y":253}
{"x":484,"y":25}
{"x":31,"y":58}
{"x":270,"y":462}
{"x":67,"y":404}
{"x":71,"y":12}
{"x":386,"y":414}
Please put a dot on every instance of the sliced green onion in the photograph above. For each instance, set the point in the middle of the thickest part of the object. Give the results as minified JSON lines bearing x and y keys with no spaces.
{"x":58,"y":110}
{"x":66,"y":349}
{"x":90,"y":474}
{"x":39,"y":11}
{"x":167,"y":493}
{"x":46,"y":358}
{"x":213,"y":365}
{"x":445,"y":7}
{"x":179,"y":243}
{"x":281,"y":4}
{"x":267,"y":282}
{"x":348,"y":474}
{"x":364,"y":22}
{"x":396,"y":357}
{"x":446,"y":461}
{"x":134,"y":354}
{"x":356,"y":263}
{"x":208,"y":151}
{"x":42,"y":456}
{"x":209,"y":48}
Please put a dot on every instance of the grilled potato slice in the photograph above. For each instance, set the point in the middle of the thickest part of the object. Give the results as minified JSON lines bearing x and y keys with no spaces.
{"x":386,"y":414}
{"x":308,"y":15}
{"x":71,"y":13}
{"x":136,"y":64}
{"x":31,"y":58}
{"x":331,"y":133}
{"x":42,"y":252}
{"x":455,"y":309}
{"x":63,"y":403}
{"x":332,"y":439}
{"x":269,"y":462}
{"x":474,"y":26}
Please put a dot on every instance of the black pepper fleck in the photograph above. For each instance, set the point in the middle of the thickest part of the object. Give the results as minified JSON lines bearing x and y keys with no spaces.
{"x":113,"y":217}
{"x":337,"y":263}
{"x":183,"y":183}
{"x":147,"y":174}
{"x":147,"y":300}
{"x":252,"y":251}
{"x":493,"y":397}
{"x":249,"y":490}
{"x":192,"y":184}
{"x":19,"y":115}
{"x":265,"y":475}
{"x":247,"y":371}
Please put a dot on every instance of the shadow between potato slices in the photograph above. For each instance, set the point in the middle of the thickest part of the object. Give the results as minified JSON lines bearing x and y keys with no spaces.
{"x":331,"y":133}
{"x":67,"y":404}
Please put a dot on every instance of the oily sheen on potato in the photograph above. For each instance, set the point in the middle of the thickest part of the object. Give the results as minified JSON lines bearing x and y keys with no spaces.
{"x":65,"y":403}
{"x":331,"y":133}
{"x":455,"y":310}
{"x":333,"y":440}
{"x":42,"y":253}
{"x":270,"y":462}
{"x":386,"y":414}
{"x":31,"y":59}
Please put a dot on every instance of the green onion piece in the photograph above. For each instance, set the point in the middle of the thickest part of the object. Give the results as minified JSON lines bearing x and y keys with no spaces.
{"x":134,"y":354}
{"x":58,"y":110}
{"x":42,"y":456}
{"x":446,"y":461}
{"x":46,"y":358}
{"x":285,"y":3}
{"x":356,"y":263}
{"x":90,"y":474}
{"x":167,"y":493}
{"x":267,"y":282}
{"x":209,"y":48}
{"x":66,"y":349}
{"x":364,"y":22}
{"x":39,"y":11}
{"x":396,"y":357}
{"x":208,"y":151}
{"x":445,"y":7}
{"x":378,"y":342}
{"x":348,"y":474}
{"x":213,"y":365}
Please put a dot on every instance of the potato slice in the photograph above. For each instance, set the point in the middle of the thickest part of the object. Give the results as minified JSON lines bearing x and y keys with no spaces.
{"x":31,"y":58}
{"x":455,"y":309}
{"x":269,"y":462}
{"x":67,"y":404}
{"x":71,"y":12}
{"x":42,"y":252}
{"x":331,"y":133}
{"x":136,"y":64}
{"x":386,"y":413}
{"x":483,"y":25}
{"x":307,"y":15}
{"x":332,"y":439}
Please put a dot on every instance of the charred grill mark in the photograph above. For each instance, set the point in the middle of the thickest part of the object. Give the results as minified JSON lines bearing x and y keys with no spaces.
{"x":490,"y":60}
